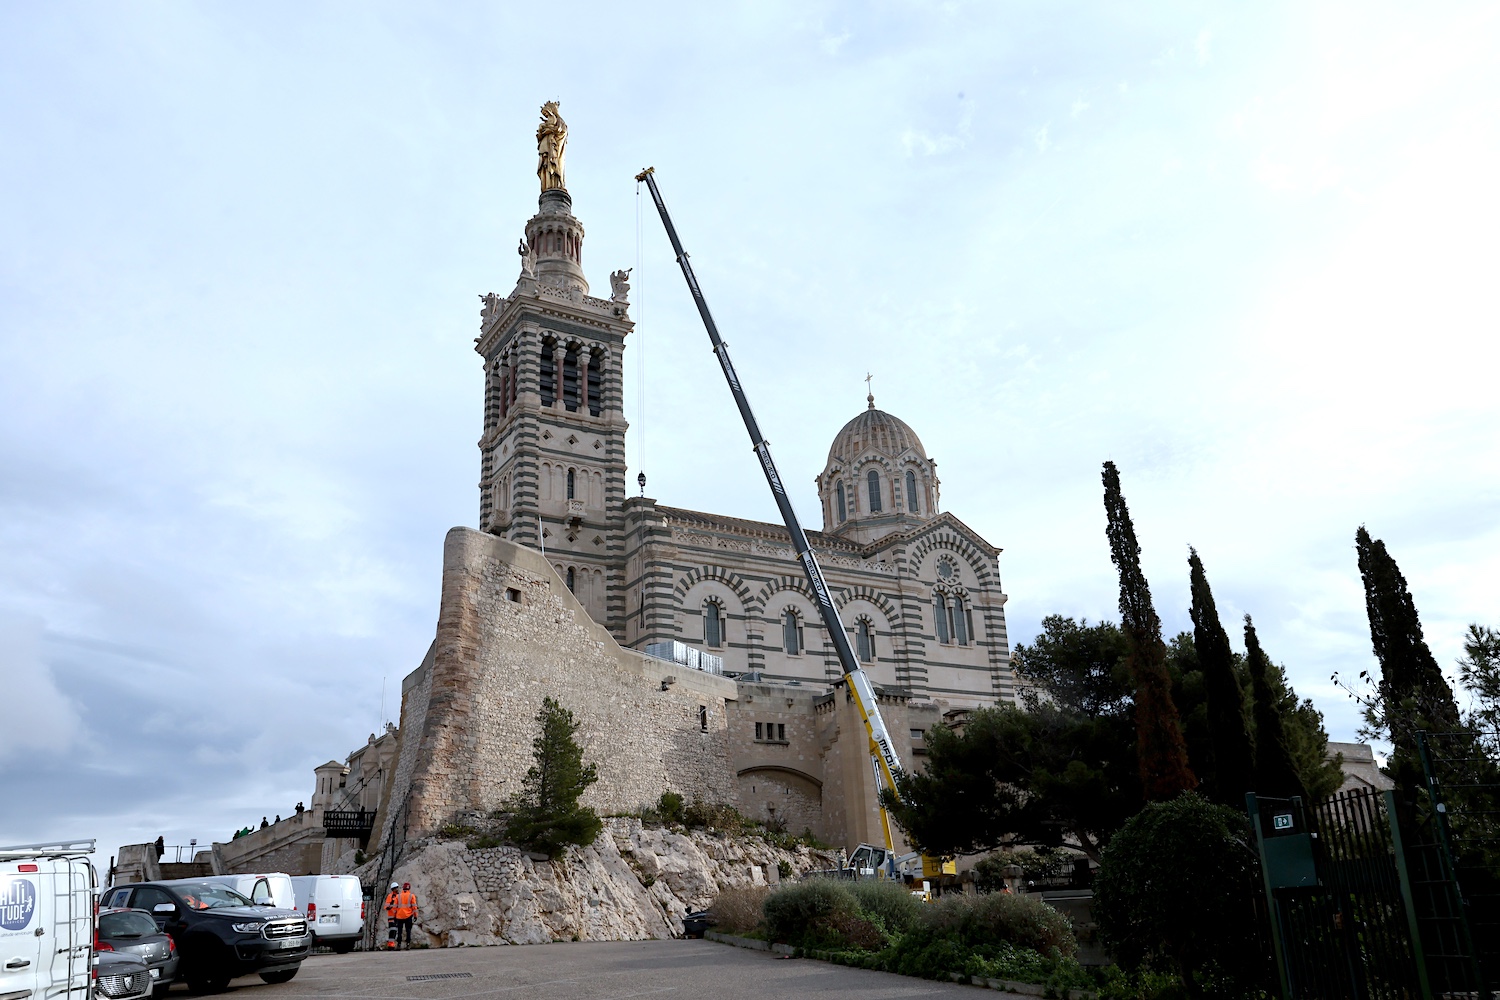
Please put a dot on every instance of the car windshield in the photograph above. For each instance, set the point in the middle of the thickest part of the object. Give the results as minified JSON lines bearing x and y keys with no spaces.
{"x":114,"y":926}
{"x":206,"y":896}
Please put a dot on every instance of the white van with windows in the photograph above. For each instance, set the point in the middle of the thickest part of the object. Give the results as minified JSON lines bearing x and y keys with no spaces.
{"x":334,"y":906}
{"x":268,"y":889}
{"x":47,"y":928}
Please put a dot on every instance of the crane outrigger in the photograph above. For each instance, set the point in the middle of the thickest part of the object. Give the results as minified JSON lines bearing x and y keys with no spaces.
{"x":883,"y":751}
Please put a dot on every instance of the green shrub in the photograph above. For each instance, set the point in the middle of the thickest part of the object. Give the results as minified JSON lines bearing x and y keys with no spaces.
{"x":820,"y":914}
{"x":1176,"y":889}
{"x":890,"y":904}
{"x":1001,"y":918}
{"x":784,"y":868}
{"x":670,"y":807}
{"x":737,"y":910}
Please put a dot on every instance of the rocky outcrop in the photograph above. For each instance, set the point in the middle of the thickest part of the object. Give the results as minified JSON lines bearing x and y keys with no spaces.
{"x":634,"y":882}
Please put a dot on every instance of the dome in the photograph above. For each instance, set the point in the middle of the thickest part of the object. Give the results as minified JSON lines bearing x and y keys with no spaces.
{"x":874,"y":430}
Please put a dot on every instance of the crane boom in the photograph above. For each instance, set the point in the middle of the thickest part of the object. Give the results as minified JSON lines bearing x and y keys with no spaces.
{"x":882,"y":748}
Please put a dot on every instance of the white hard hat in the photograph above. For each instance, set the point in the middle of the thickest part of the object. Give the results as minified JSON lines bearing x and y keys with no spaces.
{"x":395,"y":885}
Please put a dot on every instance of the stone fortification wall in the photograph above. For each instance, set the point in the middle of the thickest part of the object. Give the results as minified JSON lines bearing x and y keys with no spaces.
{"x":509,"y":633}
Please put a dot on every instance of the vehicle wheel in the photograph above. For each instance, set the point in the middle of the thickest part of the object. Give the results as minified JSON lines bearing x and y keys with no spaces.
{"x":344,"y":947}
{"x":279,"y":976}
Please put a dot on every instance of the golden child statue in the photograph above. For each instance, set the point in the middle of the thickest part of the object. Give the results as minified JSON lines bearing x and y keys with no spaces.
{"x":551,"y":145}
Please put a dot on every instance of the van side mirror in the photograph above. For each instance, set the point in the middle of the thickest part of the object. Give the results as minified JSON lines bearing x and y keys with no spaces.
{"x":164,"y":908}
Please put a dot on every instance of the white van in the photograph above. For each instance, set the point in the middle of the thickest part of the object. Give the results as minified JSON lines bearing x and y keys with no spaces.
{"x":47,"y":921}
{"x":334,"y":906}
{"x":269,"y":889}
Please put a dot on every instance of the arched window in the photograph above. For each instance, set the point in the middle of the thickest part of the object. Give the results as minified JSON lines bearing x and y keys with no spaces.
{"x":864,"y":641}
{"x":713,"y":625}
{"x":874,"y":481}
{"x":596,"y":383}
{"x":940,"y":617}
{"x":791,"y":633}
{"x":960,"y":622}
{"x":838,"y":495}
{"x":570,"y":579}
{"x":548,"y":373}
{"x":911,"y":492}
{"x":572,"y":485}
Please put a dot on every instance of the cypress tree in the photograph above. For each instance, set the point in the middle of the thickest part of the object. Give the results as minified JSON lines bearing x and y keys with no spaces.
{"x":1161,"y":751}
{"x":1275,"y":770}
{"x":1414,"y":695}
{"x":1234,"y":757}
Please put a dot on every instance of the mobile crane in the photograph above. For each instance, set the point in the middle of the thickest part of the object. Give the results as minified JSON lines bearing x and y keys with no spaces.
{"x":887,"y":763}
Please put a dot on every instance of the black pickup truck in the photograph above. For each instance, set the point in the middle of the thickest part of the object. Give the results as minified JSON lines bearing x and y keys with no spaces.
{"x":219,"y":933}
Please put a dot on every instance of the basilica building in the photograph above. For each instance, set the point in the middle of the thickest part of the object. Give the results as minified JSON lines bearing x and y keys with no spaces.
{"x":918,"y":589}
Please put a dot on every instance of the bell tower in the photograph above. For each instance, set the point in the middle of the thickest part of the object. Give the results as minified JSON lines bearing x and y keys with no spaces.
{"x":552,"y":455}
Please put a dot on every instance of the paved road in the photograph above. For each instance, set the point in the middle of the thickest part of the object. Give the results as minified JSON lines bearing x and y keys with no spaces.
{"x":588,"y":971}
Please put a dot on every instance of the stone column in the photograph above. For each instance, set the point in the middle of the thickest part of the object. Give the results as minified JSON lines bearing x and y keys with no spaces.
{"x":559,"y":351}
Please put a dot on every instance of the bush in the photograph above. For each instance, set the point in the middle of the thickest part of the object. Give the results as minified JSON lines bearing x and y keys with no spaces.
{"x":784,"y":868}
{"x":889,"y":904}
{"x":670,"y":807}
{"x":1176,"y":889}
{"x":820,"y":914}
{"x":738,"y":910}
{"x":1001,"y":918}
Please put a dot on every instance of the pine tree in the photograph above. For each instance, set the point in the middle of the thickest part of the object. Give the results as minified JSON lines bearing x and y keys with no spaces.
{"x":1414,"y":695}
{"x":1234,"y":757}
{"x":547,"y":817}
{"x":1161,"y":751}
{"x":1275,"y":770}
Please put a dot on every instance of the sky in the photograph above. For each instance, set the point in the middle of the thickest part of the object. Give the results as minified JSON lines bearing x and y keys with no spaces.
{"x":1245,"y":252}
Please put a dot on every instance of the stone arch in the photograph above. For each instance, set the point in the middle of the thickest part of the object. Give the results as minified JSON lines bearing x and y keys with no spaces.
{"x":868,"y":594}
{"x":963,"y":548}
{"x":721,"y":575}
{"x":754,"y":769}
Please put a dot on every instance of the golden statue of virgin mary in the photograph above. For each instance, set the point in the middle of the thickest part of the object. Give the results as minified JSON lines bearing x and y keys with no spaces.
{"x":551,"y":145}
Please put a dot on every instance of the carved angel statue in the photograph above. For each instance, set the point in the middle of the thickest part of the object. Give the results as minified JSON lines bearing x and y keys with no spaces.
{"x":491,"y":308}
{"x":528,"y":260}
{"x":551,"y":145}
{"x":619,"y":284}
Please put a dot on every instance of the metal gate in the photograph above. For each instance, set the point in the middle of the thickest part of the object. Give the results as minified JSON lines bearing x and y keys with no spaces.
{"x":1453,"y":851}
{"x":1340,"y":914}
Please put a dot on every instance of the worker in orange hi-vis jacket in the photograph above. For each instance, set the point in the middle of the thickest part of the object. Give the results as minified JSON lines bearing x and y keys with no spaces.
{"x":390,"y":916}
{"x":406,"y":912}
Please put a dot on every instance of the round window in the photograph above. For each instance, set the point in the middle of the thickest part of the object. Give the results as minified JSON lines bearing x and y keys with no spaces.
{"x":945,"y":569}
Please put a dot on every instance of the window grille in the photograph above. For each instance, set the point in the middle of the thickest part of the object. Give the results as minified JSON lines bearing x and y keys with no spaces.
{"x":572,"y":485}
{"x":760,"y":730}
{"x":548,"y":374}
{"x":865,"y":639}
{"x":874,"y":483}
{"x":570,"y":379}
{"x":595,"y":386}
{"x":713,"y":625}
{"x":838,"y":493}
{"x":570,"y":578}
{"x":703,"y":718}
{"x":911,"y":492}
{"x":960,"y":622}
{"x":940,"y":617}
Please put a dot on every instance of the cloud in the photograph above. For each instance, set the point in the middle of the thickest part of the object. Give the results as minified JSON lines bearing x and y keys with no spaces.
{"x":1203,"y":46}
{"x":39,"y":716}
{"x":832,"y":44}
{"x":1079,"y":107}
{"x":1042,"y":139}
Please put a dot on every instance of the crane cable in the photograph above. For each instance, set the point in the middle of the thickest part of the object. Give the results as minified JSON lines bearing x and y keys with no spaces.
{"x":640,"y":342}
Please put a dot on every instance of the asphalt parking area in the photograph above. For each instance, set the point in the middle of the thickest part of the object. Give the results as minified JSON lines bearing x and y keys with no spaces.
{"x":610,"y":970}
